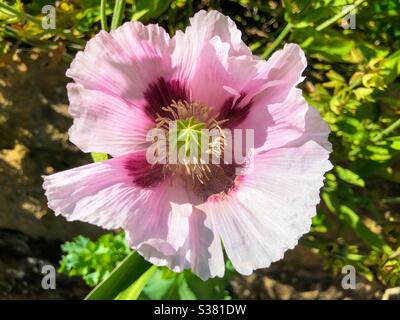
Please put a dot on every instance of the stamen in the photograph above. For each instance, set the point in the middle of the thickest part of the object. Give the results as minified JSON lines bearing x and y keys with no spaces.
{"x":184,"y":123}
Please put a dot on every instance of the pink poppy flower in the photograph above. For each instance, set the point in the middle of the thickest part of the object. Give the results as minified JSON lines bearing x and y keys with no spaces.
{"x":127,"y":81}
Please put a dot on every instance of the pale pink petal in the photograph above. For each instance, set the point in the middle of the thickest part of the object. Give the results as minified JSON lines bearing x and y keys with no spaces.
{"x":290,"y":123}
{"x":204,"y":26}
{"x":281,"y":72}
{"x":203,"y":55}
{"x":160,"y":230}
{"x":264,"y":86}
{"x":206,"y":256}
{"x":169,"y":232}
{"x":210,"y":75}
{"x":260,"y":83}
{"x":106,"y":123}
{"x":103,"y":193}
{"x":219,"y":78}
{"x":272,"y":206}
{"x":125,"y":61}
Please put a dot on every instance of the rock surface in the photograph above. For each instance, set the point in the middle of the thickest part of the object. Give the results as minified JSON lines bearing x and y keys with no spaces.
{"x":300,"y":276}
{"x":34,"y":142}
{"x":21,"y":262}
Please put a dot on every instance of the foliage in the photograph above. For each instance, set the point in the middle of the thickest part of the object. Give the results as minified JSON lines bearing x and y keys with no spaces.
{"x":352,"y":79}
{"x":168,"y":285}
{"x":95,"y":260}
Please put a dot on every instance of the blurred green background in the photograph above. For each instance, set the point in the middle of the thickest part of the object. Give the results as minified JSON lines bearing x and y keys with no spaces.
{"x":352,"y":78}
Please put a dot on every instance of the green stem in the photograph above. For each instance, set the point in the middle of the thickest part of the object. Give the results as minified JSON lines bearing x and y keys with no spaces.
{"x":388,"y":130}
{"x":277,"y":41}
{"x":103,"y":16}
{"x":118,"y":14}
{"x":338,"y":16}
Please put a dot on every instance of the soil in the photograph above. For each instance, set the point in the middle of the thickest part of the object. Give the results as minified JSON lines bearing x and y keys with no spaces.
{"x":300,"y":276}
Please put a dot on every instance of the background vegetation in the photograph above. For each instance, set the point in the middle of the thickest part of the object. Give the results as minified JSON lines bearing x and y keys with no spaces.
{"x":352,"y":79}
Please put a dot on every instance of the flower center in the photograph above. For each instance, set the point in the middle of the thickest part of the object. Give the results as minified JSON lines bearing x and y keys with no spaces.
{"x":188,"y":134}
{"x":195,"y":140}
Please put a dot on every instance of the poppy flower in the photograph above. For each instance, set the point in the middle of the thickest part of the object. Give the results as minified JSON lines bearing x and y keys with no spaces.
{"x":137,"y":78}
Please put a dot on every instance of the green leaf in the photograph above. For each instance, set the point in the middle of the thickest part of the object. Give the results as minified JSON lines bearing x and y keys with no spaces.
{"x":166,"y":284}
{"x":148,"y":9}
{"x":394,"y":142}
{"x":98,"y":157}
{"x":353,"y":220}
{"x":122,"y":277}
{"x":334,"y":47}
{"x":134,"y":290}
{"x":362,"y":93}
{"x":391,"y":67}
{"x":349,"y":176}
{"x":159,"y":285}
{"x":351,"y":128}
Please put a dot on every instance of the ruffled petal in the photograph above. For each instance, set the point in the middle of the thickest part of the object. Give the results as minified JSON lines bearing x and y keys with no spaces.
{"x":160,"y":230}
{"x":169,"y":232}
{"x":206,"y":255}
{"x":264,"y":83}
{"x":103,"y":193}
{"x":209,"y":75}
{"x":227,"y":77}
{"x":235,"y":80}
{"x":281,"y":73}
{"x":106,"y":123}
{"x":266,"y":214}
{"x":125,"y":61}
{"x":203,"y":55}
{"x":289,"y":123}
{"x":205,"y":26}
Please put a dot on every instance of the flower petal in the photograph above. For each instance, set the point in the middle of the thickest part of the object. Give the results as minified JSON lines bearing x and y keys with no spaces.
{"x":103,"y":193}
{"x":206,"y":256}
{"x":201,"y":57}
{"x":106,"y":123}
{"x":167,"y":232}
{"x":203,"y":27}
{"x":255,"y":84}
{"x":266,"y":214}
{"x":159,"y":231}
{"x":289,"y":123}
{"x":281,"y":73}
{"x":125,"y":61}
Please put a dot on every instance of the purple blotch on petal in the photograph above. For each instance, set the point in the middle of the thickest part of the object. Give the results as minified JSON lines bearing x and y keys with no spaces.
{"x":234,"y":112}
{"x":161,"y":93}
{"x":143,"y":173}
